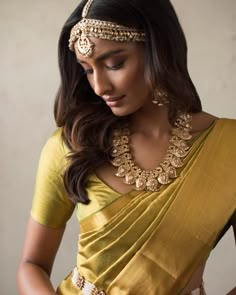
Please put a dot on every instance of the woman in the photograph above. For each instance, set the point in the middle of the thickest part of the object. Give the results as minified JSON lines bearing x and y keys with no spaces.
{"x":135,"y":154}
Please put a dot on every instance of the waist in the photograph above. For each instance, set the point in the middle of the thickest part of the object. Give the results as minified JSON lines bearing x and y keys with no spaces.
{"x":88,"y":288}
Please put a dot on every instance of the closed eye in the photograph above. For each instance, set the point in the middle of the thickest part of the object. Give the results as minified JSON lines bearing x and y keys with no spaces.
{"x":88,"y":72}
{"x":116,"y":67}
{"x":110,"y":68}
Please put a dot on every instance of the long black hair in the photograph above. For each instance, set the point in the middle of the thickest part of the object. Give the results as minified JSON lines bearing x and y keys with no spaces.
{"x":86,"y":120}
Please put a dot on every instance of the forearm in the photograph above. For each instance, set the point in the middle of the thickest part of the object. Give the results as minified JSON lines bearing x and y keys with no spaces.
{"x":33,"y":280}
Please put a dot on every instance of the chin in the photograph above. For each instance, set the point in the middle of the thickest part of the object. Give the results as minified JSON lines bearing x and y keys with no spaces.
{"x":119,"y":112}
{"x":125,"y":111}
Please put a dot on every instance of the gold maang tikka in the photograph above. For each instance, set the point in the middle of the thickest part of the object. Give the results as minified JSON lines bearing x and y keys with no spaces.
{"x":106,"y":30}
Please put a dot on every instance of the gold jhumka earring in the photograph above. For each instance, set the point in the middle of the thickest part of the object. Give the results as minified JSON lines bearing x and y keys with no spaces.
{"x":106,"y":30}
{"x":160,"y":97}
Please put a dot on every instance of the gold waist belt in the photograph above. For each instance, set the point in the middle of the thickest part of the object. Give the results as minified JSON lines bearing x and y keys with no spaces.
{"x":88,"y":288}
{"x":85,"y":286}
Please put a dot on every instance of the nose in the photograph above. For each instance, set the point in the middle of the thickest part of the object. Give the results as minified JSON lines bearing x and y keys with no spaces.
{"x":101,"y":83}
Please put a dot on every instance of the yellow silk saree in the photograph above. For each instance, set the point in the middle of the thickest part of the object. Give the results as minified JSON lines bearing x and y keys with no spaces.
{"x":152,"y":242}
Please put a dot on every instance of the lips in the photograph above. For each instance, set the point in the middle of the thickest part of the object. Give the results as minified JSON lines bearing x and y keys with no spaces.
{"x":113,"y":99}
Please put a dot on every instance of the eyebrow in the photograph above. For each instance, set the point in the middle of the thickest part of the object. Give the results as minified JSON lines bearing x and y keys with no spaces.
{"x":104,"y":55}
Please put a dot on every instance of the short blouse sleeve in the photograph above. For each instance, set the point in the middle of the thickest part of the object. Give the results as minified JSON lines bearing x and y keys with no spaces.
{"x":51,"y":206}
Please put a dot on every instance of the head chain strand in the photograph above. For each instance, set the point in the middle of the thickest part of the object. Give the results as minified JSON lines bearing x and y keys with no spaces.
{"x":106,"y":30}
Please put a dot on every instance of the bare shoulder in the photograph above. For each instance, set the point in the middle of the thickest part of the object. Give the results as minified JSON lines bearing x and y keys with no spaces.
{"x":202,"y":121}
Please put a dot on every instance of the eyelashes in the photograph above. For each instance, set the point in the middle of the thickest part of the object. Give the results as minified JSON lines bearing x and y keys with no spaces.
{"x":116,"y":67}
{"x":110,"y":68}
{"x":88,"y":72}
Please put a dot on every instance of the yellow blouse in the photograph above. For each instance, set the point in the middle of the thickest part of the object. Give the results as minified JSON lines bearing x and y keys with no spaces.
{"x":51,"y":206}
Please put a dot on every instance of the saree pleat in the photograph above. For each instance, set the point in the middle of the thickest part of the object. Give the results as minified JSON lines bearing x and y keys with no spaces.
{"x":156,"y":241}
{"x":117,"y":236}
{"x":126,"y":231}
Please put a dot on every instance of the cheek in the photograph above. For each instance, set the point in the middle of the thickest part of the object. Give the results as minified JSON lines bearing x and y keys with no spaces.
{"x":131,"y":80}
{"x":137,"y":85}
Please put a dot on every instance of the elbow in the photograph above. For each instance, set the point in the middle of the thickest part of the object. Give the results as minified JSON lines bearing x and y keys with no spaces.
{"x":19,"y":278}
{"x":32,"y":278}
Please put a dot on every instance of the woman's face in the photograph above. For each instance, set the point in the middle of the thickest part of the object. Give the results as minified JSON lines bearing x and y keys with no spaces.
{"x":116,"y":73}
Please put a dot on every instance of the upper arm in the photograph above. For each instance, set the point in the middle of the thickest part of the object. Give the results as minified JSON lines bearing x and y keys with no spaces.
{"x":51,"y":207}
{"x":41,"y":245}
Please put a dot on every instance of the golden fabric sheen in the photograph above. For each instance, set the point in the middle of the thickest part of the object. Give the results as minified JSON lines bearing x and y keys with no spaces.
{"x":152,"y":242}
{"x":51,"y":205}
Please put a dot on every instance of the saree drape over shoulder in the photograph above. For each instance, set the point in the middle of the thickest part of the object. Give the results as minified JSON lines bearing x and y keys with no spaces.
{"x":152,"y":242}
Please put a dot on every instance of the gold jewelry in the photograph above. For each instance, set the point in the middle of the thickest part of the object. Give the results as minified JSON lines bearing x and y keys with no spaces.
{"x":106,"y":30}
{"x":160,"y":97}
{"x":167,"y":170}
{"x":85,"y":286}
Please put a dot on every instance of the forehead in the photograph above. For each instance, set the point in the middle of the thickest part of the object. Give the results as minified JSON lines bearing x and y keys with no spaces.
{"x":102,"y":47}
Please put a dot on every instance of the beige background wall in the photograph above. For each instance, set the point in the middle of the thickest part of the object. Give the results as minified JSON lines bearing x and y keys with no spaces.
{"x":29,"y":32}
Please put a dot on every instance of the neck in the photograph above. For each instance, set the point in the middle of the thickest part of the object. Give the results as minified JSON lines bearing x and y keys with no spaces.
{"x":152,"y":120}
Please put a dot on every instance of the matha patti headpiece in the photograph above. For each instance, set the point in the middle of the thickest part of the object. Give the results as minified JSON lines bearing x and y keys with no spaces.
{"x":106,"y":30}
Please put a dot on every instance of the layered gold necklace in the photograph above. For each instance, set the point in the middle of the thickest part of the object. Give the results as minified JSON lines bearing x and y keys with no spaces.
{"x":152,"y":180}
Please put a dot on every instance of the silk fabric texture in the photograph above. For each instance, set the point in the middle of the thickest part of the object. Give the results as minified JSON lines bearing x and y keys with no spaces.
{"x":152,"y":242}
